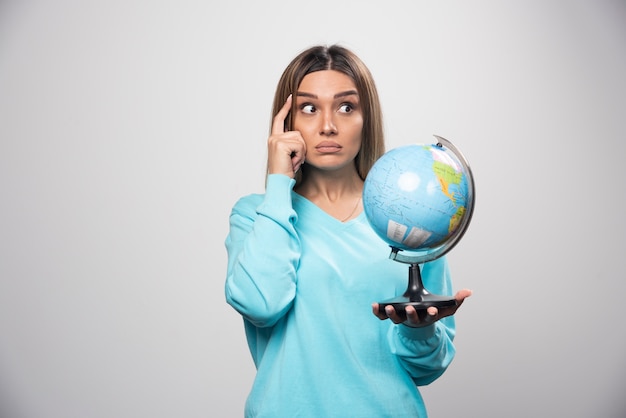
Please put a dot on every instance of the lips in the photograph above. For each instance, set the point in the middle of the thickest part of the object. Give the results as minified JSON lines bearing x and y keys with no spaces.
{"x":328,"y":147}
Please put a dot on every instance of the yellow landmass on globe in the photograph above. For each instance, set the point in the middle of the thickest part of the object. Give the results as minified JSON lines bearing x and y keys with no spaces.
{"x":456,"y":219}
{"x":447,"y":175}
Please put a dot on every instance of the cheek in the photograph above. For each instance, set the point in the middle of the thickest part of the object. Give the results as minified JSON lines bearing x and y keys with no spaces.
{"x":357,"y":122}
{"x":356,"y":129}
{"x":304,"y":127}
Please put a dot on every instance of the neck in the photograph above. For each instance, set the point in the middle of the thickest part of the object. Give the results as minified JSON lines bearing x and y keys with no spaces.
{"x":337,"y":195}
{"x":330,"y":187}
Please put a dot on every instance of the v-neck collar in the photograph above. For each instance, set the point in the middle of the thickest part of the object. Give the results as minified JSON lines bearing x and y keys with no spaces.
{"x":307,"y":206}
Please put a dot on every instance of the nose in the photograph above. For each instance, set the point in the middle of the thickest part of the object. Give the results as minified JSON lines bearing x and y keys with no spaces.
{"x":328,"y":124}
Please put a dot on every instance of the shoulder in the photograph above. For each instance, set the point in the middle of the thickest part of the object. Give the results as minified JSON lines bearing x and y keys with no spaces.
{"x":248,"y":204}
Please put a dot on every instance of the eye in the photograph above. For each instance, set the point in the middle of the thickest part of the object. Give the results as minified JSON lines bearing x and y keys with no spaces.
{"x":307,"y":108}
{"x":346,"y":108}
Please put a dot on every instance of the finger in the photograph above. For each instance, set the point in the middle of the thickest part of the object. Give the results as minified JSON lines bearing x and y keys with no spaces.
{"x":382,"y":315}
{"x":393,"y":315}
{"x":376,"y":312}
{"x":278,"y":126}
{"x":297,"y":160}
{"x":431,"y":314}
{"x":412,"y":316}
{"x":461,"y":295}
{"x":421,"y":317}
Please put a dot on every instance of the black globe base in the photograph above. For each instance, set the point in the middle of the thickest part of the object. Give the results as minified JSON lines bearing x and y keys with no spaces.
{"x":417,"y":296}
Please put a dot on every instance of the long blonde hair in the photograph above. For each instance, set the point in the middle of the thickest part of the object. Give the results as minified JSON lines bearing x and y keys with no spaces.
{"x":338,"y":58}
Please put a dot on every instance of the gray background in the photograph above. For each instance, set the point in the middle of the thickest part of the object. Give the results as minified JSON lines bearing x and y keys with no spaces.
{"x":129,"y":128}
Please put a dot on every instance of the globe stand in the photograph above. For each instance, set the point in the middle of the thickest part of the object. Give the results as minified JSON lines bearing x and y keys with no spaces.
{"x":416,"y":294}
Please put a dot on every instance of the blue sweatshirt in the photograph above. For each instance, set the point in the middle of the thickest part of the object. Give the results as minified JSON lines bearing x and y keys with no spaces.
{"x":304,"y":283}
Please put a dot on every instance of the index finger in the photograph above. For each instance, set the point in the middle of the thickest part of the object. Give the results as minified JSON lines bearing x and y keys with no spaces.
{"x":278,"y":126}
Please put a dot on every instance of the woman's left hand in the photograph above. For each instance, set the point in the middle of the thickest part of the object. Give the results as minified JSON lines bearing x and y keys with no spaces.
{"x":423,"y":317}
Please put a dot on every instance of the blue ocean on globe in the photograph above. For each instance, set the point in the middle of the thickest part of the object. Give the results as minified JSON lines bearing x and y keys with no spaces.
{"x":415,"y":196}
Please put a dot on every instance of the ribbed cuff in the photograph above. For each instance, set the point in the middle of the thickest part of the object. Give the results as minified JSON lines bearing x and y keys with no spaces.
{"x":421,"y":333}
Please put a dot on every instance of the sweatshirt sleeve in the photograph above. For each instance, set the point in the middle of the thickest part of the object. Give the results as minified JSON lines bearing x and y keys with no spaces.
{"x":263,"y":254}
{"x":427,"y":352}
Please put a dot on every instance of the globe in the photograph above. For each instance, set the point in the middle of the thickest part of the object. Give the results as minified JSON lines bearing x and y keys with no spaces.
{"x":420,"y":198}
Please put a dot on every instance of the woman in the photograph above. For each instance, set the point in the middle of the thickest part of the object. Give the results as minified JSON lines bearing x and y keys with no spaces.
{"x":305,"y":267}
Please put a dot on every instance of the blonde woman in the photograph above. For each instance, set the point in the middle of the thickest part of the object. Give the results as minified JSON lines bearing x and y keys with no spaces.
{"x":305,"y":267}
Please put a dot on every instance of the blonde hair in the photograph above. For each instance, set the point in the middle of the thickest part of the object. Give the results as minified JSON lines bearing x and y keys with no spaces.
{"x":338,"y":58}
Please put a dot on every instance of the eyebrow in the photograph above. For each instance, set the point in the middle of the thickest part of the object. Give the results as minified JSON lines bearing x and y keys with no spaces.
{"x":336,"y":96}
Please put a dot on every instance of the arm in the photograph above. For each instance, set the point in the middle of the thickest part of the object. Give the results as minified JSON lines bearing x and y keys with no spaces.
{"x":263,"y":254}
{"x":426,"y":351}
{"x":263,"y":246}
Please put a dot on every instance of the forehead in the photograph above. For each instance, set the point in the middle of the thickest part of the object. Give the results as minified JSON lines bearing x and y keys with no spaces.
{"x":326,"y":81}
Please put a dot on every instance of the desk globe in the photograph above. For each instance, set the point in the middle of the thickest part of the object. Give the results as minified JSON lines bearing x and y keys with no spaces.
{"x":419,"y":198}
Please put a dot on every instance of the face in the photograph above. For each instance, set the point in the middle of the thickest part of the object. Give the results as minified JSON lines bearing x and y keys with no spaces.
{"x":330,"y":119}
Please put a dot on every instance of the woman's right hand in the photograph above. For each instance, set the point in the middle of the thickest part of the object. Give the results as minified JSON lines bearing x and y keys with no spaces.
{"x":285,"y":150}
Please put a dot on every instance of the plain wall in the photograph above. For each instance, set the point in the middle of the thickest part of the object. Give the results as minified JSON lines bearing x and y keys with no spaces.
{"x":128,"y":129}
